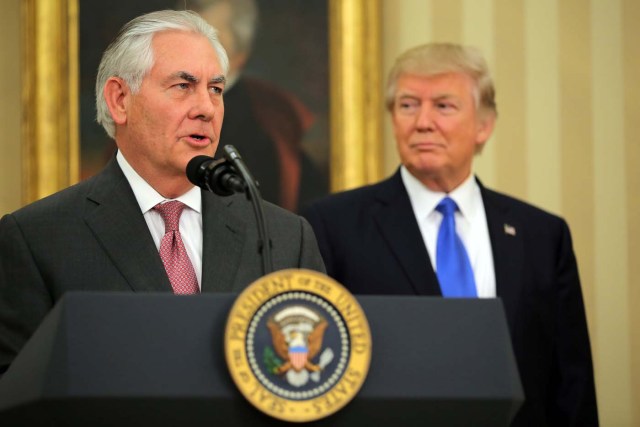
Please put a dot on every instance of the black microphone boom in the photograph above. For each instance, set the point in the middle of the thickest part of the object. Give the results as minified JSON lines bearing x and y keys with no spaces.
{"x":227,"y":176}
{"x":216,"y":175}
{"x":264,"y":242}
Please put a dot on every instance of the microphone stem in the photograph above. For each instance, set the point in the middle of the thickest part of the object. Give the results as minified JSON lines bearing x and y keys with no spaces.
{"x":264,"y":243}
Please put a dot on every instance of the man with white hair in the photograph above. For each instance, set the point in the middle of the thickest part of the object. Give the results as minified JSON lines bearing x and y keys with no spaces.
{"x":140,"y":225}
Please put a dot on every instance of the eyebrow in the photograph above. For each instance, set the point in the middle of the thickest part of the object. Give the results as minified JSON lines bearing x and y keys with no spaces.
{"x":218,"y":79}
{"x":407,"y":95}
{"x":444,"y":96}
{"x":437,"y":97}
{"x":184,"y":75}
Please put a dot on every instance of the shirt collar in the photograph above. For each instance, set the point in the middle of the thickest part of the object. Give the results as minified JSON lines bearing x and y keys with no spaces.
{"x":466,"y":195}
{"x":147,"y":196}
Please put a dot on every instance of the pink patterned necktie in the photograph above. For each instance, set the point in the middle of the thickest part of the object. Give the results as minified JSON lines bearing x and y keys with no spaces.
{"x":173,"y":253}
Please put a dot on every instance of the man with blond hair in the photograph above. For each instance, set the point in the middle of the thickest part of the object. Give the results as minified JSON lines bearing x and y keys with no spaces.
{"x":434,"y":229}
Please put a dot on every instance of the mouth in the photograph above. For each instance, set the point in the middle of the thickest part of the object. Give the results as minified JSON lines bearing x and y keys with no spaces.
{"x":198,"y":139}
{"x":426,"y":145}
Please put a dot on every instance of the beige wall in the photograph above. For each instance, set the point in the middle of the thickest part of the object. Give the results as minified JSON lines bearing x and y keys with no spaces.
{"x":567,"y":140}
{"x":10,"y":107}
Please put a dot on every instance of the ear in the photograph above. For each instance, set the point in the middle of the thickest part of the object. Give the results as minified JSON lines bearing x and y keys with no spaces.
{"x":485,"y":128}
{"x":116,"y":92}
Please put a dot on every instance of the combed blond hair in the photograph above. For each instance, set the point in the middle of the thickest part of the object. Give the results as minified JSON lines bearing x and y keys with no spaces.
{"x":439,"y":58}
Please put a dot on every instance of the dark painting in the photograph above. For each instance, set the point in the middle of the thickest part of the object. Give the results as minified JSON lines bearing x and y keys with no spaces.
{"x":276,"y":111}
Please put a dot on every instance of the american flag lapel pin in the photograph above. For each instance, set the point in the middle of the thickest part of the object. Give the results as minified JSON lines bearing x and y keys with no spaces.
{"x":509,"y":229}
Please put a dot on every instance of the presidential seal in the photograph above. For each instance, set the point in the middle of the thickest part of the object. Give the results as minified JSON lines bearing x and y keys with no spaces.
{"x":297,"y":345}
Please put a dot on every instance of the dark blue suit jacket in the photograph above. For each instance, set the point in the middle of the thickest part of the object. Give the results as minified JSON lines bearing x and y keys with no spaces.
{"x":371,"y":243}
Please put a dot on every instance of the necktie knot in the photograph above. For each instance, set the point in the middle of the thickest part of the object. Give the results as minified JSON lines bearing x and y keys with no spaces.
{"x":170,"y":213}
{"x":447,"y":206}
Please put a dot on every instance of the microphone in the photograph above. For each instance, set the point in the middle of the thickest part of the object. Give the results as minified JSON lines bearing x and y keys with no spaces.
{"x":216,"y":175}
{"x":227,"y":176}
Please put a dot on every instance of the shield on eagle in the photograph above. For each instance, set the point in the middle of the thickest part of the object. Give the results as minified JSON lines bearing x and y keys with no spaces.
{"x":296,"y":333}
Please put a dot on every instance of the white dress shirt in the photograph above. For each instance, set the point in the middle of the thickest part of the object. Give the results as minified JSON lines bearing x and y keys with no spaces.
{"x":190,"y":220}
{"x":471,"y":226}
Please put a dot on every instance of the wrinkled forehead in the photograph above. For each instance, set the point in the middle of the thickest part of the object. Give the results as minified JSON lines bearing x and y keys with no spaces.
{"x":177,"y":49}
{"x":181,"y":40}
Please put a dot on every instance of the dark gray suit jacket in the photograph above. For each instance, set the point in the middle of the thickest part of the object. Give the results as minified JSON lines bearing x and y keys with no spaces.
{"x":93,"y":237}
{"x":371,"y":243}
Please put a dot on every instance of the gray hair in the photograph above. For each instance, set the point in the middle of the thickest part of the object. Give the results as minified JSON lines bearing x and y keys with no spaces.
{"x":130,"y":55}
{"x":244,"y":19}
{"x":438,"y":58}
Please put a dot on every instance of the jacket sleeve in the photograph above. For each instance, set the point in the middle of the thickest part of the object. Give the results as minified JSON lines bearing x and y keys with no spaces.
{"x":24,"y":298}
{"x":310,"y":256}
{"x":315,"y":218}
{"x":572,"y":381}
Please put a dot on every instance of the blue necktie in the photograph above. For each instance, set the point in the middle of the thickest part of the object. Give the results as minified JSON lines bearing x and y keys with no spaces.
{"x":452,"y":262}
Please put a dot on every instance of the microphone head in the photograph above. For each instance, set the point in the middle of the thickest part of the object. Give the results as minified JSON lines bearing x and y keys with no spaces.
{"x":197,"y":170}
{"x":230,"y":153}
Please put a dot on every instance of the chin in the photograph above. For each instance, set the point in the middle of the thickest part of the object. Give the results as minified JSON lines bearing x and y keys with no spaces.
{"x":427,"y":165}
{"x":210,"y":150}
{"x":204,"y":151}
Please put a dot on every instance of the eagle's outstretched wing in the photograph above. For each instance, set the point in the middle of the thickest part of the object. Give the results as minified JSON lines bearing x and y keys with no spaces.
{"x":279,"y":343}
{"x":315,"y":339}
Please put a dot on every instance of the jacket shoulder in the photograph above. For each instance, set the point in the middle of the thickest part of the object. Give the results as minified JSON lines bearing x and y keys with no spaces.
{"x":349,"y":199}
{"x":61,"y":203}
{"x":519,"y":208}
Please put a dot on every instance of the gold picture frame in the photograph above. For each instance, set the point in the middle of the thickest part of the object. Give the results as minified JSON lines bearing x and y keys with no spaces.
{"x":50,"y":115}
{"x":50,"y":119}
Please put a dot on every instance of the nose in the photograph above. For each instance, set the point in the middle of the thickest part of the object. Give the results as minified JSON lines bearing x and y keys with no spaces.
{"x":204,"y":106}
{"x":424,"y":119}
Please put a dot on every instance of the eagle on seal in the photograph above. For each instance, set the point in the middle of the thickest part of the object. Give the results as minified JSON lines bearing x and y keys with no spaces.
{"x":297,"y":333}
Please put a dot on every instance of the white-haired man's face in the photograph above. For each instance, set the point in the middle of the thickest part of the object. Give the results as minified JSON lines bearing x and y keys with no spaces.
{"x":177,"y":113}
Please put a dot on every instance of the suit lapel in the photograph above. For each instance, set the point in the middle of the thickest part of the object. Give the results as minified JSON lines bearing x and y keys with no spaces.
{"x":114,"y":217}
{"x":223,"y":239}
{"x":508,"y":251}
{"x":397,"y":224}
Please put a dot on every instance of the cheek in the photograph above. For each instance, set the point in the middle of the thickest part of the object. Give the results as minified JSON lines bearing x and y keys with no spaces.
{"x":448,"y":125}
{"x":402,"y":129}
{"x":218,"y":119}
{"x":147,"y":118}
{"x":406,"y":154}
{"x":168,"y":122}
